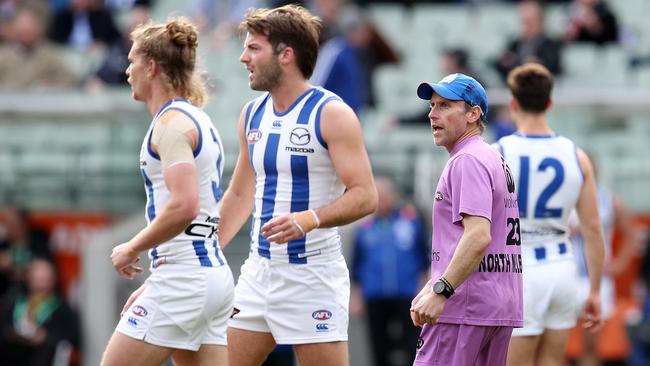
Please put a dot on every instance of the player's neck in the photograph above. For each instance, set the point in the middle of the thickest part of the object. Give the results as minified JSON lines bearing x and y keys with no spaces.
{"x":533,"y":124}
{"x":159,"y":97}
{"x":287,"y":92}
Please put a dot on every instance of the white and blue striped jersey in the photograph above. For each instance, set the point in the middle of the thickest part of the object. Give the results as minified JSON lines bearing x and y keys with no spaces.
{"x":548,"y":180}
{"x":293,"y":172}
{"x":197,"y":244}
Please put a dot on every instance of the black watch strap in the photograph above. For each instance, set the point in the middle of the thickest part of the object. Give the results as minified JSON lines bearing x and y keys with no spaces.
{"x":449,"y":289}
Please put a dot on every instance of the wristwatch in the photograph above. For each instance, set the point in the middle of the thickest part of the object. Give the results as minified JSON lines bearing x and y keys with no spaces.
{"x":443,"y":287}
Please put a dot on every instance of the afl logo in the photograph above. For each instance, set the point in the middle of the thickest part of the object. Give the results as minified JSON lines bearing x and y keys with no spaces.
{"x":300,"y":136}
{"x":253,"y":136}
{"x":321,"y":314}
{"x":139,"y":311}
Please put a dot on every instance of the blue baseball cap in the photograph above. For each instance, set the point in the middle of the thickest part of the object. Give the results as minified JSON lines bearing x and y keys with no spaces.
{"x":457,"y":87}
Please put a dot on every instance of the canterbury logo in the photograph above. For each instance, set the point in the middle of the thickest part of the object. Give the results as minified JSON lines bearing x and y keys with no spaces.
{"x":300,"y":136}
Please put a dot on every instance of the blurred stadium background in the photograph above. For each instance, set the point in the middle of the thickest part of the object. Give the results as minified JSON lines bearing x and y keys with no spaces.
{"x":69,"y":155}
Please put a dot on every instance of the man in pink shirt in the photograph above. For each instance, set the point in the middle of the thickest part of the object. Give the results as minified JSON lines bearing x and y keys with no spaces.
{"x":474,"y":298}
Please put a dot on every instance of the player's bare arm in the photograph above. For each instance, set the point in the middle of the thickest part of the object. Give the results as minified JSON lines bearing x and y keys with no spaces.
{"x":587,"y":208}
{"x":237,"y":203}
{"x":341,"y":131}
{"x":175,"y":147}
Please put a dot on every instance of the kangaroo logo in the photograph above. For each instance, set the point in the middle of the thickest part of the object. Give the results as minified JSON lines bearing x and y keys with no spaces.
{"x":300,"y":136}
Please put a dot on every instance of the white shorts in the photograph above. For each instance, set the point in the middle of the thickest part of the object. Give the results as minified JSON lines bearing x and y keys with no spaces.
{"x":607,"y":295}
{"x":550,"y":297}
{"x":296,"y":303}
{"x":182,"y":307}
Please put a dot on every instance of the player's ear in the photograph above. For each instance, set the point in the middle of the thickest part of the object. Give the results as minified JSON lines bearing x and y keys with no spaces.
{"x":474,"y":113}
{"x":287,"y":55}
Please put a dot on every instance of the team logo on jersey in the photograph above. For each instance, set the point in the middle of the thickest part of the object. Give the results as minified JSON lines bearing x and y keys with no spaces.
{"x":438,"y":196}
{"x":509,"y":180}
{"x":254,"y":136}
{"x":300,"y":136}
{"x":277,"y":124}
{"x":420,"y":343}
{"x":321,"y":314}
{"x":140,"y":311}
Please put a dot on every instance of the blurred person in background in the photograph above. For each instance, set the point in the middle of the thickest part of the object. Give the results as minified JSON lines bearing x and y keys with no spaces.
{"x":351,"y":50}
{"x":390,"y":250}
{"x":591,"y":21}
{"x":27,"y":58}
{"x":19,"y":245}
{"x":338,"y":68}
{"x":304,"y":169}
{"x":552,"y":177}
{"x":532,"y":44}
{"x":219,"y":18}
{"x":182,"y":308}
{"x":111,"y":71}
{"x":613,"y":216}
{"x":452,"y":60}
{"x":37,"y":326}
{"x":84,"y":25}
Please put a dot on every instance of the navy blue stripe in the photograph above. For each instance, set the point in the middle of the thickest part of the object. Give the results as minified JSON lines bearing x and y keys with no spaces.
{"x":522,"y":195}
{"x":249,"y":108}
{"x":220,"y":158}
{"x":215,"y":244}
{"x":154,"y":255}
{"x":294,"y":104}
{"x":299,"y":202}
{"x":202,"y":252}
{"x":553,"y":135}
{"x":217,"y":192}
{"x":254,"y":125}
{"x":257,"y":117}
{"x":305,"y":112}
{"x":197,"y":150}
{"x":149,"y":149}
{"x":270,"y":188}
{"x":319,"y":136}
{"x":168,"y":103}
{"x":151,"y":206}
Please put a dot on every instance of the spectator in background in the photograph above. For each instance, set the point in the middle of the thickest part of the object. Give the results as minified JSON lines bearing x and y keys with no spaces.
{"x":338,"y":67}
{"x":452,"y":60}
{"x":351,"y":50}
{"x":219,"y":18}
{"x":83,"y":25}
{"x":532,"y":44}
{"x":501,"y":123}
{"x":591,"y":21}
{"x":111,"y":72}
{"x":20,"y":244}
{"x":27,"y":59}
{"x":37,"y":326}
{"x":390,"y":251}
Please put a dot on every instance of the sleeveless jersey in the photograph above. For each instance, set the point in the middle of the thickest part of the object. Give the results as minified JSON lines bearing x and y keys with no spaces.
{"x":548,"y":179}
{"x":293,"y":172}
{"x":197,"y":244}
